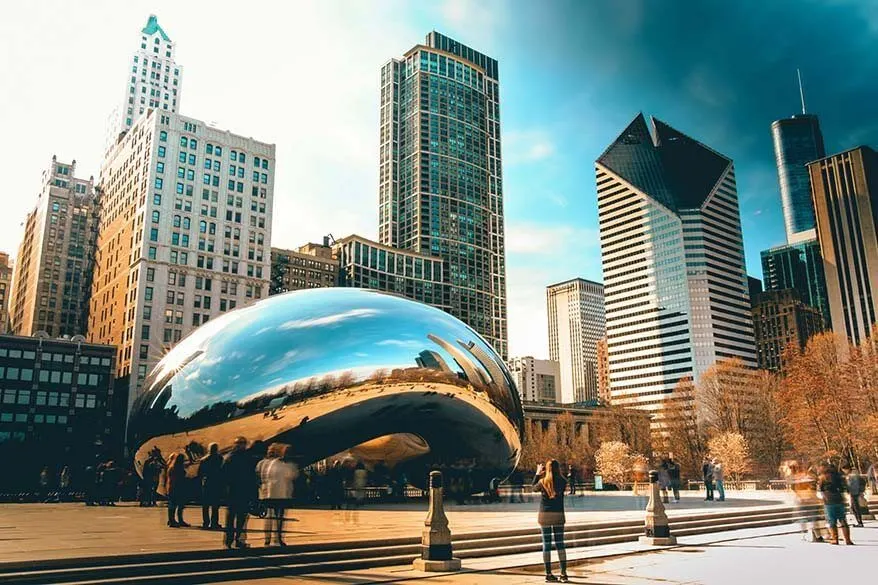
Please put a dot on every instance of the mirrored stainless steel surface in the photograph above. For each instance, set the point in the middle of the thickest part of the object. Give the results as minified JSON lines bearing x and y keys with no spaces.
{"x":330,"y":370}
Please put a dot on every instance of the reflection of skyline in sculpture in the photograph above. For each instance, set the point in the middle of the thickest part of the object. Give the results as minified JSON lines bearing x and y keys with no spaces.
{"x":327,"y":370}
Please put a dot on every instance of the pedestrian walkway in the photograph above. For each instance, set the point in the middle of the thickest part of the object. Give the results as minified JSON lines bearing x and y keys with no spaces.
{"x":57,"y":531}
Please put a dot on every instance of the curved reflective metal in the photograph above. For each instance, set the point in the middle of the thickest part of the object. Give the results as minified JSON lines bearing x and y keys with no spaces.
{"x":336,"y":369}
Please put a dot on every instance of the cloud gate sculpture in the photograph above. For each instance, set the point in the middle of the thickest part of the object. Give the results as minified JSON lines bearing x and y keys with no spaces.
{"x":330,"y":370}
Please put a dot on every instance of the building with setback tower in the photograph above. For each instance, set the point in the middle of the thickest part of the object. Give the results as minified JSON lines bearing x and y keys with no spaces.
{"x":675,"y":285}
{"x":440,"y":179}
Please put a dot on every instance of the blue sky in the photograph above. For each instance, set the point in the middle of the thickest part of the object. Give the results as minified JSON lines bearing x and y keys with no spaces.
{"x":304,"y":75}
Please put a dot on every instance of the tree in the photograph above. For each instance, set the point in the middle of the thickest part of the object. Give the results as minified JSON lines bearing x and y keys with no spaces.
{"x":615,"y":423}
{"x":562,"y":439}
{"x":612,"y":461}
{"x":769,"y":444}
{"x":732,"y":451}
{"x":679,"y":430}
{"x":724,"y":398}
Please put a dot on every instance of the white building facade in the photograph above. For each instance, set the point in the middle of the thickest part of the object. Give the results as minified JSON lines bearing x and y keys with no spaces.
{"x":154,"y":81}
{"x":184,"y":236}
{"x":576,"y":324}
{"x":677,"y":297}
{"x":536,"y":380}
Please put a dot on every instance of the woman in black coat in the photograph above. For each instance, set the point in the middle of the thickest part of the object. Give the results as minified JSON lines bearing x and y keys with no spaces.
{"x":551,"y":484}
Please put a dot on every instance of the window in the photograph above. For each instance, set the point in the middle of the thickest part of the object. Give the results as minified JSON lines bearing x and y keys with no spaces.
{"x":218,"y":150}
{"x":144,"y":334}
{"x":162,"y":152}
{"x":160,"y":167}
{"x":156,"y":216}
{"x":150,"y":274}
{"x":184,"y":142}
{"x":158,"y":182}
{"x":154,"y":235}
{"x":208,"y":148}
{"x":151,"y":253}
{"x":157,"y":199}
{"x":234,"y":155}
{"x":163,"y":136}
{"x":147,"y":293}
{"x":147,"y":312}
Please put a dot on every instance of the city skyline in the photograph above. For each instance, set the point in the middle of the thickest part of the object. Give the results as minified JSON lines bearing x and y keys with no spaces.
{"x":550,"y":205}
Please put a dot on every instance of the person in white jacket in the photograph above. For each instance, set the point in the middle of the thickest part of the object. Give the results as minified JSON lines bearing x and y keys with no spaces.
{"x":276,"y":474}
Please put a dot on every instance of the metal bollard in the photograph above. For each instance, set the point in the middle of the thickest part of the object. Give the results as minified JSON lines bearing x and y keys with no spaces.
{"x":658,"y":531}
{"x":436,"y":539}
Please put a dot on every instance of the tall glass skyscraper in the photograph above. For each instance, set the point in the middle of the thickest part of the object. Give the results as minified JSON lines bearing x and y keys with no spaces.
{"x":676,"y":291}
{"x":798,"y":266}
{"x":440,"y":184}
{"x":797,"y":141}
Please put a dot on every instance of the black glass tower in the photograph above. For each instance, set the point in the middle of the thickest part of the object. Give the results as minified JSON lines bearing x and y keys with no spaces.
{"x":798,"y":266}
{"x":797,"y":141}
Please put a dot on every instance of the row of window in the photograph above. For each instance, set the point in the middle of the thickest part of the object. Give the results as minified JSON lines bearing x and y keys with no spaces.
{"x":44,"y":398}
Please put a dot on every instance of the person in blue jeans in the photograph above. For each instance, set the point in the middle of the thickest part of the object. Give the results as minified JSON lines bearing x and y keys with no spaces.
{"x":550,"y":483}
{"x":831,"y":486}
{"x":719,"y":478}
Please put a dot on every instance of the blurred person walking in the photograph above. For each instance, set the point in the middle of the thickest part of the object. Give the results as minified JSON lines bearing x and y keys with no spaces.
{"x":664,"y":480}
{"x":335,"y":487}
{"x":361,"y":477}
{"x":571,"y":479}
{"x":43,"y":489}
{"x":210,"y":478}
{"x":517,"y":481}
{"x":276,"y":474}
{"x":856,"y":487}
{"x":872,"y":477}
{"x":175,"y":489}
{"x":674,"y":477}
{"x":830,"y":488}
{"x":64,"y":484}
{"x":719,"y":477}
{"x":240,"y":481}
{"x":550,"y":483}
{"x":707,"y":475}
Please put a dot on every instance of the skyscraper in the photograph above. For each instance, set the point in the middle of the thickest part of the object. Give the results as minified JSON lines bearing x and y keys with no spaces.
{"x":797,"y":141}
{"x":440,"y":178}
{"x":798,"y":266}
{"x":52,"y":279}
{"x":5,"y":288}
{"x":536,"y":380}
{"x":576,"y":325}
{"x":673,"y":259}
{"x":155,"y":80}
{"x":185,"y":235}
{"x":779,"y":319}
{"x":845,"y":196}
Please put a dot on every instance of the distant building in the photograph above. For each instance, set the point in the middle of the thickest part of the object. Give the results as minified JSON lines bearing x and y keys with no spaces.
{"x":5,"y":288}
{"x":755,"y":286}
{"x":154,"y":80}
{"x":59,"y":406}
{"x":677,"y":297}
{"x":53,"y":270}
{"x":779,"y":319}
{"x":367,"y":264}
{"x":585,"y":418}
{"x":576,"y":324}
{"x":185,"y":235}
{"x":440,"y":177}
{"x":845,"y":195}
{"x":797,"y":141}
{"x":310,"y":266}
{"x":798,"y":266}
{"x":603,"y":365}
{"x":536,"y":380}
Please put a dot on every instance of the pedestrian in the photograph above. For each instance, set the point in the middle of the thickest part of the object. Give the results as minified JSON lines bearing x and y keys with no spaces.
{"x":43,"y":491}
{"x":856,"y":486}
{"x":517,"y":481}
{"x":240,"y":482}
{"x":209,"y":475}
{"x":831,"y":487}
{"x":361,"y":477}
{"x":674,"y":477}
{"x":276,"y":474}
{"x":64,"y":484}
{"x":719,"y":479}
{"x":664,"y":480}
{"x":110,"y":476}
{"x":571,"y":479}
{"x":335,"y":487}
{"x":872,"y":477}
{"x":551,"y":485}
{"x":707,"y":475}
{"x":152,"y":468}
{"x":176,"y":489}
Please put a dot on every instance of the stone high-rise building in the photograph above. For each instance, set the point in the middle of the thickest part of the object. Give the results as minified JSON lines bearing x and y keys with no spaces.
{"x":310,"y":266}
{"x":154,"y":80}
{"x":798,"y":266}
{"x":604,"y":372}
{"x":5,"y":288}
{"x":53,"y":270}
{"x":440,"y":177}
{"x":845,"y":194}
{"x":185,"y":235}
{"x":576,"y":325}
{"x":673,"y":259}
{"x":779,"y":319}
{"x":536,"y":380}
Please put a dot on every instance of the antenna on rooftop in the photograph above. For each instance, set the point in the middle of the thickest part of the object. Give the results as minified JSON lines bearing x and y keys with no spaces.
{"x":801,"y":91}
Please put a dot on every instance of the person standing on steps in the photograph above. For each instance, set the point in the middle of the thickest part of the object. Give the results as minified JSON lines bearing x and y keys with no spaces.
{"x":856,"y":486}
{"x":239,"y":478}
{"x":831,"y":487}
{"x":209,"y":470}
{"x":550,"y":483}
{"x":719,"y":479}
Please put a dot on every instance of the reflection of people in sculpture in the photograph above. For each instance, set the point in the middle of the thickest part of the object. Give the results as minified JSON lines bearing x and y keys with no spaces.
{"x":360,"y":478}
{"x":276,"y":474}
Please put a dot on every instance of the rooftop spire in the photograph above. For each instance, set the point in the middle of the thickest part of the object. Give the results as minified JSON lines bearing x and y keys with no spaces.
{"x":152,"y":27}
{"x":801,"y":91}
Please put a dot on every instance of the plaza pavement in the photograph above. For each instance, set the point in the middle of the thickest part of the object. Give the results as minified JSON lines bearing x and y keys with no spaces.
{"x":749,"y":557}
{"x":53,"y":531}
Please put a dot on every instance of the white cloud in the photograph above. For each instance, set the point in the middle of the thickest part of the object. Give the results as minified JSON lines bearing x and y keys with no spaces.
{"x":529,"y":238}
{"x":527,"y":317}
{"x":328,"y":319}
{"x":527,"y":146}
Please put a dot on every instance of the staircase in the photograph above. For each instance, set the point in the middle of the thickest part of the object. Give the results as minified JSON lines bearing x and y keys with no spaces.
{"x":216,"y":566}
